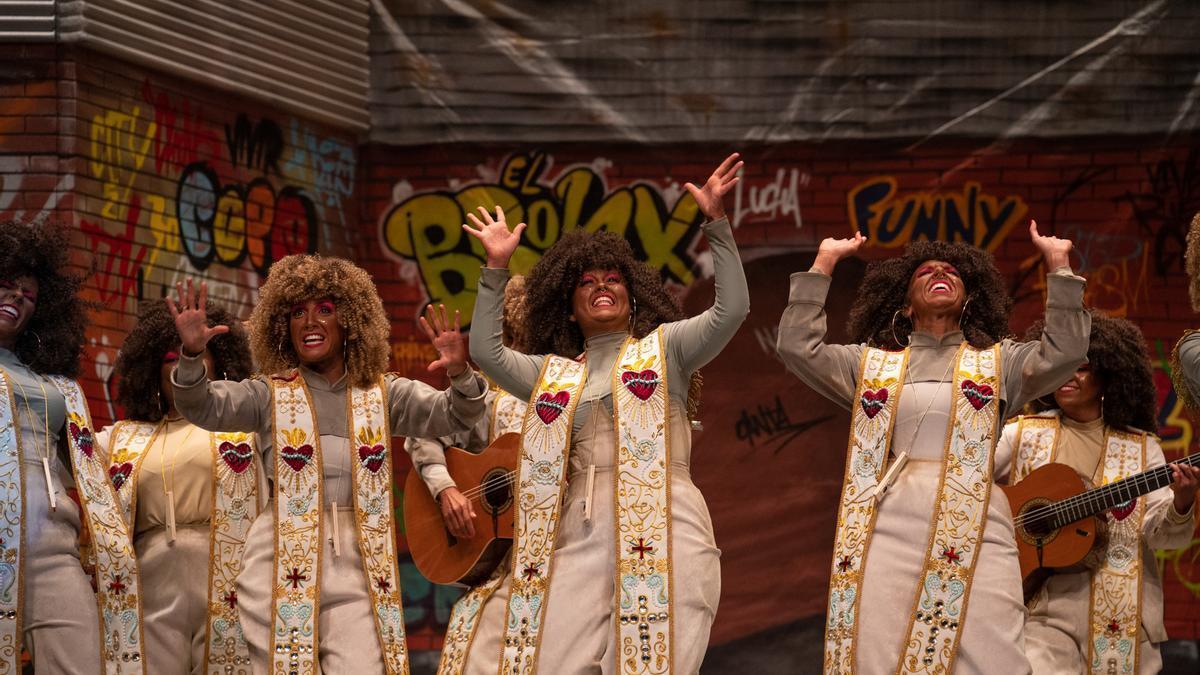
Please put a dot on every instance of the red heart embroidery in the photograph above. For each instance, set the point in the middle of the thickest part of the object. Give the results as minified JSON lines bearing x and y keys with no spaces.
{"x":1122,"y":512}
{"x":978,"y":395}
{"x":550,"y":407}
{"x":119,"y":473}
{"x":372,"y":457}
{"x":83,"y":437}
{"x":297,"y":458}
{"x":873,"y":401}
{"x":237,"y":457}
{"x":641,"y":385}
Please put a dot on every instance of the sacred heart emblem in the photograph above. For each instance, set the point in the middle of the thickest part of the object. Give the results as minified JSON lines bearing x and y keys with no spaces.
{"x":297,"y":458}
{"x":1122,"y":512}
{"x":119,"y":473}
{"x":641,"y":385}
{"x":550,"y":407}
{"x":237,"y":456}
{"x":978,"y":395}
{"x":873,"y":401}
{"x":372,"y":457}
{"x":83,"y":437}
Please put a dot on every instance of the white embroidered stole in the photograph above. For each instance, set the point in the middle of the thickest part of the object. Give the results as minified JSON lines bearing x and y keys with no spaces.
{"x":116,"y":565}
{"x":546,"y":439}
{"x":370,"y":435}
{"x":940,"y":606}
{"x":298,"y":542}
{"x":12,"y":531}
{"x":881,"y":380}
{"x":642,"y":504}
{"x":1116,"y":593}
{"x":507,"y":415}
{"x":295,"y":597}
{"x":235,"y":505}
{"x":1037,"y":444}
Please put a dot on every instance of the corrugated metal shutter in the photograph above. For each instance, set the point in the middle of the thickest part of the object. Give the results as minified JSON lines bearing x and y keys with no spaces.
{"x":306,"y":56}
{"x":31,"y":21}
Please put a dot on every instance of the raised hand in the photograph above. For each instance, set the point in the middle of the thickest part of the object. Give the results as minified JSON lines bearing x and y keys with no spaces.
{"x":498,"y":241}
{"x":191,"y":318}
{"x":832,"y":250}
{"x":447,"y":339}
{"x":710,"y":198}
{"x":1056,"y":252}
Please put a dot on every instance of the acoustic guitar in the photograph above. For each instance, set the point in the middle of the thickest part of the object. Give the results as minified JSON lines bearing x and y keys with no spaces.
{"x":1054,"y":514}
{"x":487,"y":480}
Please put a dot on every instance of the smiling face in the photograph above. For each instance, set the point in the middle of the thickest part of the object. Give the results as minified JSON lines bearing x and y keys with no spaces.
{"x":315,"y":332}
{"x":601,"y":302}
{"x":18,"y":300}
{"x":935,"y":289}
{"x":1080,"y":393}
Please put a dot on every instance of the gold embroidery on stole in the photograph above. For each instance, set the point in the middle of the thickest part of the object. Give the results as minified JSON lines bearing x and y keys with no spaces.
{"x":12,"y":523}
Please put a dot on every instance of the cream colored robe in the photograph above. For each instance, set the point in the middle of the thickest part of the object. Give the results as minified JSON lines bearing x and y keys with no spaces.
{"x":991,"y":639}
{"x":61,"y":623}
{"x":346,"y":626}
{"x":577,"y":628}
{"x":1057,"y":631}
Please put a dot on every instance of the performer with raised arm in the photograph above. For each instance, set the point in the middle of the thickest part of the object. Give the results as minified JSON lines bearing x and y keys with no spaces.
{"x":46,"y":446}
{"x":921,"y":529}
{"x":319,"y":590}
{"x":189,"y":497}
{"x":622,"y":575}
{"x":1105,"y":615}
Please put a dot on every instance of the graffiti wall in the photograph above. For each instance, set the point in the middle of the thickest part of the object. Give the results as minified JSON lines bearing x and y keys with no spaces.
{"x":770,"y":457}
{"x":173,"y":181}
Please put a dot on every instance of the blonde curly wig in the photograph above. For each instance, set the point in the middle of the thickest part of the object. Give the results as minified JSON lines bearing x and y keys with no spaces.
{"x":299,"y":278}
{"x":1192,"y":262}
{"x":513,"y":332}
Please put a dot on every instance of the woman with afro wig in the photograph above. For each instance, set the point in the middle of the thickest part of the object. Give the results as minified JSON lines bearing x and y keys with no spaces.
{"x":46,"y":600}
{"x":614,"y":567}
{"x":929,"y":379}
{"x":1100,"y":424}
{"x":319,"y":588}
{"x":174,"y":482}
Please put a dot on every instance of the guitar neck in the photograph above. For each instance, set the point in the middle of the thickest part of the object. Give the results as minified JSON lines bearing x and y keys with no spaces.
{"x":1101,"y":499}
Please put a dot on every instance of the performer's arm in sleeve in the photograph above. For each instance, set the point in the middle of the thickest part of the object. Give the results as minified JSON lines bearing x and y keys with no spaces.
{"x":831,"y":370}
{"x":1164,"y":526}
{"x":223,"y":405}
{"x":429,"y":461}
{"x":1005,"y":449}
{"x":1186,"y":363}
{"x":417,"y":409}
{"x":515,"y":372}
{"x":694,"y":342}
{"x":1037,"y":368}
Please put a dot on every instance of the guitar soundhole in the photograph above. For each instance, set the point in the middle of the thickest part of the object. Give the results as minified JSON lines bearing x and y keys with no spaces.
{"x":1031,"y":528}
{"x":498,"y":495}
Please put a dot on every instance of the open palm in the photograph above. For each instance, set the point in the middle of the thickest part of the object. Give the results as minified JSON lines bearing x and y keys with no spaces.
{"x":498,"y":241}
{"x":710,"y":198}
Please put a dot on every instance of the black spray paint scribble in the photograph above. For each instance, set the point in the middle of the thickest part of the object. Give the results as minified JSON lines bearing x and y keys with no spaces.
{"x":769,"y":425}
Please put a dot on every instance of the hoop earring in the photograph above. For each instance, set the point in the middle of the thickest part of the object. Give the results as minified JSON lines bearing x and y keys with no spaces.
{"x":36,"y":337}
{"x":962,"y":314}
{"x":632,"y":315}
{"x":894,"y":338}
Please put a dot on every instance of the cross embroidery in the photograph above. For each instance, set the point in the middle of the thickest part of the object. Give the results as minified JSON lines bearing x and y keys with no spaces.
{"x":641,"y":548}
{"x":295,"y":577}
{"x":383,"y":584}
{"x":231,"y":599}
{"x":643,"y":619}
{"x":845,"y":564}
{"x":116,"y":585}
{"x":532,"y":570}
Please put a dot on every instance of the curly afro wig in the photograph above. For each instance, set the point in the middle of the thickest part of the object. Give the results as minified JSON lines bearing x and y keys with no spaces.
{"x":884,"y":291}
{"x":1192,"y":262}
{"x":514,"y":332}
{"x":1117,"y":356}
{"x":550,"y":289}
{"x":139,"y":365}
{"x":299,"y":278}
{"x":52,"y":341}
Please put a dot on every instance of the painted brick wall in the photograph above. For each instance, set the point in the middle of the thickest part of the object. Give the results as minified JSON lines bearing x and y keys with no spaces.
{"x":1126,"y":202}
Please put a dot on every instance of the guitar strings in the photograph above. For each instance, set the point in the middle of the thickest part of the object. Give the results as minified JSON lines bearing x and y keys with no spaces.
{"x":1112,"y":488}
